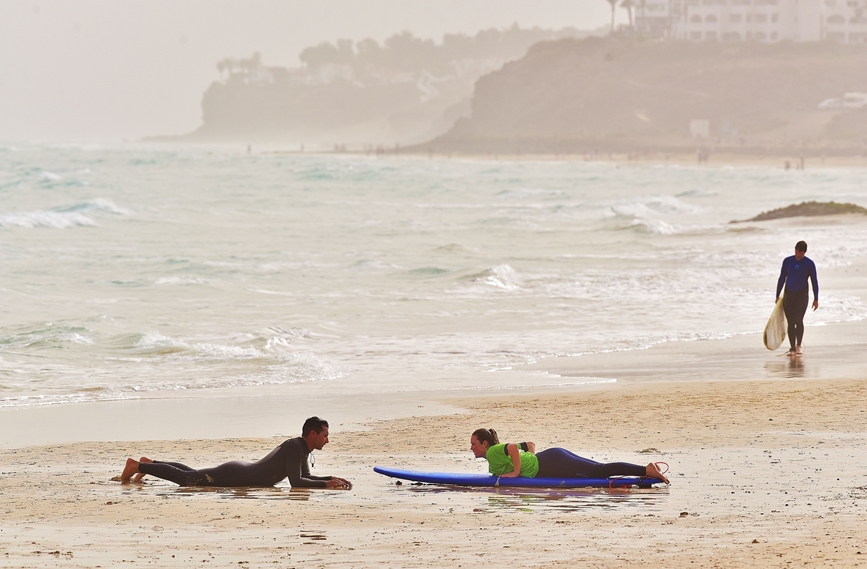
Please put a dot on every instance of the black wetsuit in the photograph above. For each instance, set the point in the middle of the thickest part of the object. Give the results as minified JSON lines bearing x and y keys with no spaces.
{"x":561,"y":463}
{"x":287,"y":460}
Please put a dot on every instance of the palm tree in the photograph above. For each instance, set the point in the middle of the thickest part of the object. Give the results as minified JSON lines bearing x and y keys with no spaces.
{"x":627,"y":5}
{"x":642,"y":5}
{"x":613,"y":6}
{"x":225,"y":65}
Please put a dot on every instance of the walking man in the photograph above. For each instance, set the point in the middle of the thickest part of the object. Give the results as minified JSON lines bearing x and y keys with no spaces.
{"x":794,"y":274}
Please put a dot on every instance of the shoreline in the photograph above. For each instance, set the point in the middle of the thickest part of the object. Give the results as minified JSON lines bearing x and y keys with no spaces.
{"x":832,"y":352}
{"x":713,"y":159}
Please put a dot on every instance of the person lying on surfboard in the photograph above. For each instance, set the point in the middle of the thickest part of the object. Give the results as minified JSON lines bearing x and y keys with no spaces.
{"x":511,"y":460}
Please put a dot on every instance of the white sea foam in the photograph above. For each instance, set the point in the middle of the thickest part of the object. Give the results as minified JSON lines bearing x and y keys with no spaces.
{"x":155,"y":340}
{"x":654,"y":226}
{"x":181,"y":280}
{"x":499,"y":276}
{"x":62,"y":217}
{"x":98,"y":204}
{"x":50,"y":219}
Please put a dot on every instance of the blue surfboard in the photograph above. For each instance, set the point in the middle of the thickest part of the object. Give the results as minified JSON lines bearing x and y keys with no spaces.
{"x":487,"y":480}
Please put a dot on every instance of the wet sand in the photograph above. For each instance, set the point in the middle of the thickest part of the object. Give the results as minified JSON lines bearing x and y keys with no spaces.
{"x":765,"y":473}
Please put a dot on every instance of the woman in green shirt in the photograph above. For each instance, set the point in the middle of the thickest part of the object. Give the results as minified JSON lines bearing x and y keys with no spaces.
{"x":511,"y":460}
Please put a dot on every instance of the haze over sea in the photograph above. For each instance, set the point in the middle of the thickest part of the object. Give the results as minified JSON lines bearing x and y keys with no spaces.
{"x":137,"y":272}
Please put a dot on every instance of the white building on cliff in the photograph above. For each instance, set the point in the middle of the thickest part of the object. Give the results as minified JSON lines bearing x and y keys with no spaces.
{"x":754,"y":20}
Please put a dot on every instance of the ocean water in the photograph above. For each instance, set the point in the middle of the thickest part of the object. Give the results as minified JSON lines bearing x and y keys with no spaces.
{"x":132,"y":271}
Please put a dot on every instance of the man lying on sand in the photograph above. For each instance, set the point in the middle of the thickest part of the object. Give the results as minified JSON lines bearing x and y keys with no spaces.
{"x":287,"y":460}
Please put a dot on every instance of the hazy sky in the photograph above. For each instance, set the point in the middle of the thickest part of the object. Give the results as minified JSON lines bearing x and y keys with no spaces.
{"x":102,"y":70}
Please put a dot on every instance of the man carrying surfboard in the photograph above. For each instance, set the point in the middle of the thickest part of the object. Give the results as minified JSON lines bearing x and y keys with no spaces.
{"x":795,"y":272}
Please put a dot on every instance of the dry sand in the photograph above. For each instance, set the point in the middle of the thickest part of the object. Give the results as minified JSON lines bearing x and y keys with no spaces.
{"x":764,"y":474}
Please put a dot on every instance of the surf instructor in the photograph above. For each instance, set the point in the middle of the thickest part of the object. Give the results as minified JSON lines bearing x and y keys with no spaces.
{"x":794,"y":274}
{"x":289,"y":460}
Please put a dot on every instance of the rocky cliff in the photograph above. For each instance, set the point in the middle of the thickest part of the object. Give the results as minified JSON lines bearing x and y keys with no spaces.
{"x":623,"y":94}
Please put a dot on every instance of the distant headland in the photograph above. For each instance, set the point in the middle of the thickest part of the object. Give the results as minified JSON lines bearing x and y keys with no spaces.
{"x":358,"y":94}
{"x":524,"y":92}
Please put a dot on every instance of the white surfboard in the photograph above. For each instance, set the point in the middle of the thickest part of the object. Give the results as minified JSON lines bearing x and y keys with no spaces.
{"x":775,"y":330}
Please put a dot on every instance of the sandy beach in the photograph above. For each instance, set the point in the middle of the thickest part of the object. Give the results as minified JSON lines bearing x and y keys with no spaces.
{"x":764,"y":473}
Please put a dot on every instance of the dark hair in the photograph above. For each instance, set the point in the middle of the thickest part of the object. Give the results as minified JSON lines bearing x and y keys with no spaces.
{"x":487,"y":436}
{"x":801,"y":246}
{"x":313,"y":424}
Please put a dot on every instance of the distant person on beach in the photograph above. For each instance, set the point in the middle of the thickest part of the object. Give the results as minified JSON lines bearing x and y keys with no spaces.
{"x":794,"y":274}
{"x":511,"y":460}
{"x":287,"y":460}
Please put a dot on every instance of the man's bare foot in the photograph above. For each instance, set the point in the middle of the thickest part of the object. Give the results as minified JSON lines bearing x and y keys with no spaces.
{"x":128,"y":470}
{"x":653,"y":471}
{"x":138,"y":477}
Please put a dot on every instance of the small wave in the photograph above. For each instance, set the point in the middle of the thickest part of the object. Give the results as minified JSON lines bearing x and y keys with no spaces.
{"x":524,"y":193}
{"x":50,"y":176}
{"x":49,"y":179}
{"x":654,"y":226}
{"x":298,"y":367}
{"x":79,"y":339}
{"x":191,"y":280}
{"x":698,"y":194}
{"x":48,"y":335}
{"x":150,"y":343}
{"x":50,"y":219}
{"x":454,"y":248}
{"x":277,"y":344}
{"x":646,"y":205}
{"x":276,"y":348}
{"x":61,"y":399}
{"x":428,"y":271}
{"x":284,"y":334}
{"x":372,"y":264}
{"x":225,"y":351}
{"x":99,"y":204}
{"x":63,"y":217}
{"x":499,"y":276}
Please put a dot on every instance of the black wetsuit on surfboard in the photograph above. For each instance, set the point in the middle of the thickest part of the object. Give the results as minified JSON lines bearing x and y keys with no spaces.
{"x":287,"y":460}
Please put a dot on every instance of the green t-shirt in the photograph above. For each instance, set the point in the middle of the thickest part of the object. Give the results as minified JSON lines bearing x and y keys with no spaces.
{"x":500,"y":463}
